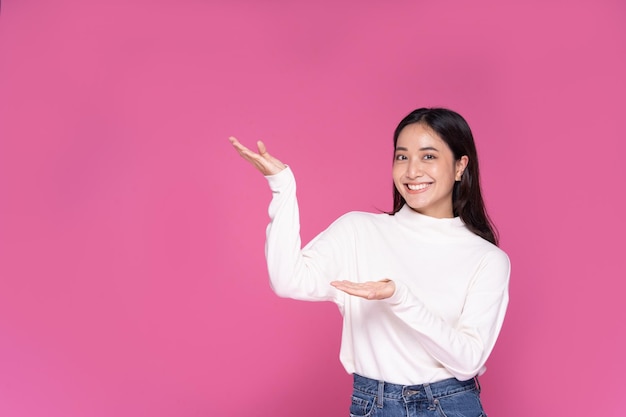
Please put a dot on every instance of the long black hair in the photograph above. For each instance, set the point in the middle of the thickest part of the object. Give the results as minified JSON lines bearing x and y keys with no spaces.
{"x":467,"y":200}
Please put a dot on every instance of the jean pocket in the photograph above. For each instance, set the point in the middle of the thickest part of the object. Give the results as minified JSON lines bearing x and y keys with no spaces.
{"x":362,"y":404}
{"x":462,"y":404}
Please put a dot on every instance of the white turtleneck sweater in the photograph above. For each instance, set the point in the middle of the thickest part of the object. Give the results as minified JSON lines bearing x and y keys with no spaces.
{"x":451,"y":287}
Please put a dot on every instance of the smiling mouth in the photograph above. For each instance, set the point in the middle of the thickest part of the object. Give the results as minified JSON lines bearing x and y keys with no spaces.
{"x":418,"y":187}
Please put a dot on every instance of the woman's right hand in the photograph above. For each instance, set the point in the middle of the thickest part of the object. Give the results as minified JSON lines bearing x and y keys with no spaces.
{"x":263,"y":161}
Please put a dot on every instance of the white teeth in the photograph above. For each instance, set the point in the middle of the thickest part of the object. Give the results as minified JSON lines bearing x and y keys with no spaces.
{"x":415,"y":187}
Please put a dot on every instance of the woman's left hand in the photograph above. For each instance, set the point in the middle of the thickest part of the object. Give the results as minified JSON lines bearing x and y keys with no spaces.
{"x":371,"y":290}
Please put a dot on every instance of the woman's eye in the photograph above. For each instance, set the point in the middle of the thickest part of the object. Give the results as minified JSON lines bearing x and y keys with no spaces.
{"x":429,"y":156}
{"x":400,"y":157}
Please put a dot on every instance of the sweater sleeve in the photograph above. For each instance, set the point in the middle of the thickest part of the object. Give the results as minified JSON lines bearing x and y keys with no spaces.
{"x":462,"y":348}
{"x":303,"y":274}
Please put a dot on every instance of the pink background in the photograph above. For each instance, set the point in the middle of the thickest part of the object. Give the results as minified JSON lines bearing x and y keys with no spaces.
{"x":132,"y":274}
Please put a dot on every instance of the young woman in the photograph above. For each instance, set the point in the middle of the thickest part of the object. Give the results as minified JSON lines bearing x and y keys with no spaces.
{"x":423,"y":289}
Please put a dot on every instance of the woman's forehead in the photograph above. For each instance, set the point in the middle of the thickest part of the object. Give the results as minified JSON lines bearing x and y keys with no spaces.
{"x":418,"y":134}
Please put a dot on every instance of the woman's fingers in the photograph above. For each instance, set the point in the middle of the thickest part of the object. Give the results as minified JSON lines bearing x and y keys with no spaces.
{"x":262,"y":149}
{"x":279,"y":166}
{"x":243,"y":151}
{"x":263,"y":161}
{"x":371,"y":290}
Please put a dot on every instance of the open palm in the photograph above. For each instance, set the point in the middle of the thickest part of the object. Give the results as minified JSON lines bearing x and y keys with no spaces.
{"x":261,"y":160}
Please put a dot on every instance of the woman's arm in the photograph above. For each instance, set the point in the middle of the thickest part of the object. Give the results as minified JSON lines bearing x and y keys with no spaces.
{"x":294,"y":272}
{"x":304,"y":274}
{"x":462,"y":348}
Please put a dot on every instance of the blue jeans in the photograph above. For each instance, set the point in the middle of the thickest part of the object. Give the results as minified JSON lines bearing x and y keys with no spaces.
{"x":447,"y":398}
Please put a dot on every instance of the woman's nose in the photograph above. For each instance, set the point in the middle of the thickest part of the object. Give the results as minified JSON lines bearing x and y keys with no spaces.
{"x":414,"y":169}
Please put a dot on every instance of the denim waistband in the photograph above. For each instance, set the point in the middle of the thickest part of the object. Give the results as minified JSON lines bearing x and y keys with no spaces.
{"x":414,"y":392}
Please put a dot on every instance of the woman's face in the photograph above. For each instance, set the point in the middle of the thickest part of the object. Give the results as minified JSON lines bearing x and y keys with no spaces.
{"x":424,"y":171}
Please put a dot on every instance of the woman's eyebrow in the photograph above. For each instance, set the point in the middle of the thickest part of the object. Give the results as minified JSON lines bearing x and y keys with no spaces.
{"x":426,"y":148}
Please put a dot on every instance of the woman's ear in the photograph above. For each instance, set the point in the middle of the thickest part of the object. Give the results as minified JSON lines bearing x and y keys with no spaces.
{"x":461,"y":164}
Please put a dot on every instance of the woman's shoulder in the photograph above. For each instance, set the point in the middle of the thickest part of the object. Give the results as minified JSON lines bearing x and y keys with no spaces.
{"x":493,"y":254}
{"x":360,"y":220}
{"x":363,"y":217}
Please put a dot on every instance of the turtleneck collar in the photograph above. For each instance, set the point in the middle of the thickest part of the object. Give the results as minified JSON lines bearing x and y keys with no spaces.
{"x":445,"y":227}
